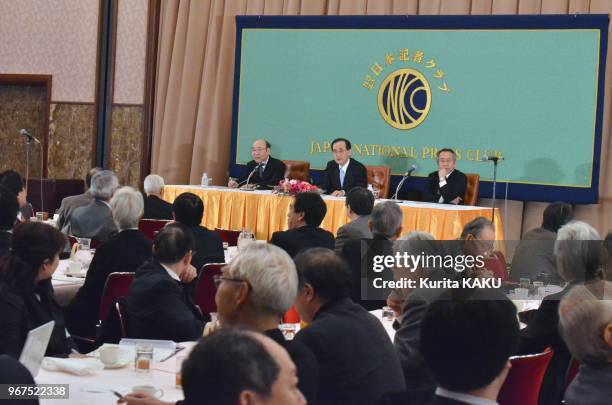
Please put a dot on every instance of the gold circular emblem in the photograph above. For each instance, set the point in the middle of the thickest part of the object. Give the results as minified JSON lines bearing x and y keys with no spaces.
{"x":404,"y":99}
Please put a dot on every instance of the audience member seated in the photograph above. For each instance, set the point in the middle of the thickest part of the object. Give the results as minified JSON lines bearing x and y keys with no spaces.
{"x":534,"y":258}
{"x":585,"y":319}
{"x":254,"y":292}
{"x":188,"y":210}
{"x":69,"y":204}
{"x":578,"y":252}
{"x":359,"y":203}
{"x":306,"y":213}
{"x":14,"y":373}
{"x":343,"y":173}
{"x":386,"y":226}
{"x":124,"y":251}
{"x":232,"y":367}
{"x":357,"y":362}
{"x":26,"y":295}
{"x":8,"y":214}
{"x":478,"y":239}
{"x":158,"y":306}
{"x":467,"y":343}
{"x":264,"y":170}
{"x":448,"y":184}
{"x":154,"y":205}
{"x":95,"y":220}
{"x":13,"y":181}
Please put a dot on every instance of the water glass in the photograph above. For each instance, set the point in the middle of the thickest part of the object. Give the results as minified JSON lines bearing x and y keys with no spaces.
{"x":84,"y":243}
{"x":524,"y":282}
{"x":144,"y":358}
{"x":388,"y":314}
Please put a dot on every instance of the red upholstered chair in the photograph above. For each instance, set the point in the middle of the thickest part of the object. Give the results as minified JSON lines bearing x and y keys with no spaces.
{"x":150,"y":227}
{"x":380,"y":177}
{"x":122,"y":316}
{"x":572,"y":371}
{"x":291,"y":316}
{"x":522,"y":386}
{"x":229,"y":236}
{"x":297,"y":170}
{"x":206,"y":290}
{"x":498,"y":266}
{"x":117,"y":286}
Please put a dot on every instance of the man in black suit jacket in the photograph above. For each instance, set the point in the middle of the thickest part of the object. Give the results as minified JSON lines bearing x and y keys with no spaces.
{"x":14,"y":373}
{"x":467,"y":338}
{"x":158,"y":306}
{"x":305,"y":215}
{"x":267,"y":171}
{"x":125,"y":251}
{"x":357,"y":362}
{"x":188,"y":210}
{"x":8,"y":214}
{"x":343,"y":173}
{"x":154,"y":205}
{"x":447,"y":185}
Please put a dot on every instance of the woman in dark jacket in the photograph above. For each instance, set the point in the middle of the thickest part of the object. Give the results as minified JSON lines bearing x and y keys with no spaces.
{"x":26,"y":295}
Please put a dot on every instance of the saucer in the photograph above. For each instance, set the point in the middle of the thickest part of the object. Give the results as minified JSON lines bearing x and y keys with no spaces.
{"x":121,"y":363}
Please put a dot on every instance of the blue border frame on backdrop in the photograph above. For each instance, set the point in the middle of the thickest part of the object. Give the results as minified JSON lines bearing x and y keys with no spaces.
{"x":516,"y":191}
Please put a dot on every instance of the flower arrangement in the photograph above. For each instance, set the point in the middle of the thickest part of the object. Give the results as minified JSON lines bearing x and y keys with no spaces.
{"x":295,"y":186}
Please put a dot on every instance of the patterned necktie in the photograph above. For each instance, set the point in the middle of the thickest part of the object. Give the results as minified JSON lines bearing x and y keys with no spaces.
{"x":261,"y":170}
{"x":342,"y":174}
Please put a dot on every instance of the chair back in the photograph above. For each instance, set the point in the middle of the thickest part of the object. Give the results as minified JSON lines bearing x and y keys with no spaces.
{"x":471,"y":190}
{"x":380,"y":178}
{"x":497,"y":265}
{"x":229,"y":236}
{"x":572,"y":371}
{"x":522,"y":386}
{"x":121,"y":309}
{"x":206,"y":290}
{"x":291,"y":316}
{"x":117,"y":286}
{"x":150,"y":227}
{"x":297,"y":170}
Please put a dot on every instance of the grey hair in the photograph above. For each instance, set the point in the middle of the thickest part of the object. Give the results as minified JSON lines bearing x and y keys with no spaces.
{"x":127,"y":205}
{"x":386,"y":218}
{"x":475,"y":227}
{"x":104,"y":184}
{"x":153,"y":183}
{"x":578,"y":256}
{"x":583,"y":316}
{"x":272,"y":276}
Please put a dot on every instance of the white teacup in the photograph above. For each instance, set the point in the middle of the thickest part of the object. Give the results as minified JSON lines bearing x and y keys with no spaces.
{"x":148,"y":390}
{"x":109,"y":355}
{"x":521,"y":293}
{"x":74,"y":267}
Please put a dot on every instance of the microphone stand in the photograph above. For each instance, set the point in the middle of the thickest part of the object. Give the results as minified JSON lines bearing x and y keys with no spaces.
{"x":495,"y":161}
{"x":251,"y":174}
{"x":401,"y":183}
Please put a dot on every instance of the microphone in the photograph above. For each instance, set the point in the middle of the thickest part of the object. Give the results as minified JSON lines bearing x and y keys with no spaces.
{"x":252,"y":173}
{"x":29,"y":137}
{"x":401,"y":183}
{"x":491,"y":158}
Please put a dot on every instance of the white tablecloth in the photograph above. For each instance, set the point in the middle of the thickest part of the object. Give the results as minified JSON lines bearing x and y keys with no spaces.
{"x":388,"y":325}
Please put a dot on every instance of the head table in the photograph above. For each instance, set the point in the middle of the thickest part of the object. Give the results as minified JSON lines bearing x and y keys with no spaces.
{"x":265,"y":213}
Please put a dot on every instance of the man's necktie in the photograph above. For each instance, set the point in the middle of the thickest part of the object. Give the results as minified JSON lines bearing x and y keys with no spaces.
{"x":261,"y":170}
{"x":342,"y":174}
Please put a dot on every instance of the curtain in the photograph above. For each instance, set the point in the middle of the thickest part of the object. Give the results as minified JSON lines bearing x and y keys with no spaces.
{"x":195,"y":71}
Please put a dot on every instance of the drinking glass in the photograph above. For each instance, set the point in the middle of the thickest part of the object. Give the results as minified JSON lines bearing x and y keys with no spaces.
{"x":144,"y":358}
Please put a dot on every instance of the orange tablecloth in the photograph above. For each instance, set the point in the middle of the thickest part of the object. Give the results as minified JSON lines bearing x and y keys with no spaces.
{"x":265,"y":213}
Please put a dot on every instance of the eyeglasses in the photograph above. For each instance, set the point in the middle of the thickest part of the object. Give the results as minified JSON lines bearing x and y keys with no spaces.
{"x":218,"y":279}
{"x":258,"y":149}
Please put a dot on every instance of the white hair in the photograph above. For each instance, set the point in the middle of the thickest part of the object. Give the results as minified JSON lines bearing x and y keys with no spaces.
{"x":584,"y":312}
{"x":127,"y":205}
{"x":153,"y":183}
{"x":104,"y":184}
{"x":386,"y":218}
{"x":576,"y":254}
{"x":271,"y":274}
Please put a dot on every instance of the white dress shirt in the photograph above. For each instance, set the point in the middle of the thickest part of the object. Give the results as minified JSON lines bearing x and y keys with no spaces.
{"x":171,"y":273}
{"x":442,"y":184}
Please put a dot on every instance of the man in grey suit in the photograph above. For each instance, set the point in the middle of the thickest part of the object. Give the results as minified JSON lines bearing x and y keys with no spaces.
{"x":70,"y":203}
{"x":359,"y":205}
{"x":95,"y":220}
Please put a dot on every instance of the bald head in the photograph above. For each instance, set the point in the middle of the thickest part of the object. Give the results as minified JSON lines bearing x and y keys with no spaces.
{"x":260,"y":150}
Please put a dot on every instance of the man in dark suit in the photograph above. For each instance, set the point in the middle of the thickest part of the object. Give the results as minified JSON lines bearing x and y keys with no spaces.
{"x":8,"y":214}
{"x":386,"y":226}
{"x":467,"y":342}
{"x":69,"y":204}
{"x":447,"y":185}
{"x":305,"y":215}
{"x":188,"y":210}
{"x":357,"y":362}
{"x":158,"y":306}
{"x":14,"y":373}
{"x":124,"y":251}
{"x":95,"y":220}
{"x":343,"y":173}
{"x":359,"y":203}
{"x":264,"y":170}
{"x":154,"y":205}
